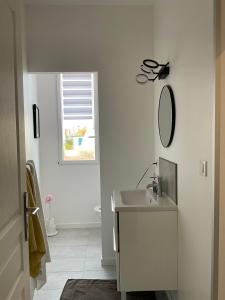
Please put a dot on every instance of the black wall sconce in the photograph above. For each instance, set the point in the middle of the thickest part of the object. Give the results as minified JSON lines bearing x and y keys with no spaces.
{"x":152,"y":70}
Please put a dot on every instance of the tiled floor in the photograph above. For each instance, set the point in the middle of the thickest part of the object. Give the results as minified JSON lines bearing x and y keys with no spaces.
{"x":75,"y":253}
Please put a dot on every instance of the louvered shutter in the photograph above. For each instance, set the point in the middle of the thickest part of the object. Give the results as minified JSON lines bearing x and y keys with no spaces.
{"x":77,"y":96}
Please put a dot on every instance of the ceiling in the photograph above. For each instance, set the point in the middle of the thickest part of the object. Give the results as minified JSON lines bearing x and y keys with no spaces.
{"x":90,"y":2}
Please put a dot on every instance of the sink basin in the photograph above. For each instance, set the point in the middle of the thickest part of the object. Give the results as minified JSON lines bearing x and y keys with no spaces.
{"x":136,"y":197}
{"x":140,"y":200}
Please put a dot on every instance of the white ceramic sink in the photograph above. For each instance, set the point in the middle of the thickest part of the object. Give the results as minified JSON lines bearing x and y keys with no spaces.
{"x":140,"y":200}
{"x":136,"y":197}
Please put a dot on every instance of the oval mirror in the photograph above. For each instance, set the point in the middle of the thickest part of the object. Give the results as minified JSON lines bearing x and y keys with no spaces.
{"x":166,"y":116}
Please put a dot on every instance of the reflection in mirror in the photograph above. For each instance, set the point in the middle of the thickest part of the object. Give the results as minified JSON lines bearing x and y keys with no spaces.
{"x":166,"y":116}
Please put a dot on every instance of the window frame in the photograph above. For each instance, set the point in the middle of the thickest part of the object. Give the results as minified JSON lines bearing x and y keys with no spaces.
{"x":61,"y":161}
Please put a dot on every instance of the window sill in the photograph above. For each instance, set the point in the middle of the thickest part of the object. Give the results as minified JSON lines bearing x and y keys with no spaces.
{"x":80,"y":162}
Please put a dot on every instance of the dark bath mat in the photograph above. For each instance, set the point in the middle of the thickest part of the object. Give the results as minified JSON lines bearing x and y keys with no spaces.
{"x":93,"y":289}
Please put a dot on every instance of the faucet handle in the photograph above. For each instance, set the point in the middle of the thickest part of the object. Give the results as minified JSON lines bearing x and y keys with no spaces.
{"x":148,"y":186}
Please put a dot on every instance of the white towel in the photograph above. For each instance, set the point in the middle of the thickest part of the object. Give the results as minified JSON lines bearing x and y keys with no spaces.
{"x":42,"y":278}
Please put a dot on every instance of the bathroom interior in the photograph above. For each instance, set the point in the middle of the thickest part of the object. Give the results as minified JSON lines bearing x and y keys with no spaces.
{"x":150,"y":169}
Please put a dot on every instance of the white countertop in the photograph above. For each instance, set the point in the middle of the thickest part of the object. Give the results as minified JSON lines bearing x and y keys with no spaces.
{"x":141,"y":200}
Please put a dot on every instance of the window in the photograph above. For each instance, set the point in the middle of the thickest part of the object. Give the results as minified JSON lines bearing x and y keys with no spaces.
{"x":78,"y":117}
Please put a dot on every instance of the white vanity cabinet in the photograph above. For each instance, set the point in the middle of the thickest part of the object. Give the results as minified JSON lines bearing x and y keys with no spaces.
{"x":145,"y":242}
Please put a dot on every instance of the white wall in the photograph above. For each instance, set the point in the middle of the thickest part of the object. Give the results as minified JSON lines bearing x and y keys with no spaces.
{"x":31,"y":144}
{"x":30,"y":98}
{"x":112,"y":40}
{"x":76,"y":188}
{"x":183,"y":35}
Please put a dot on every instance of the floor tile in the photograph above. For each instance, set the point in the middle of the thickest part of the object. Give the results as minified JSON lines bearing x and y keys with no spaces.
{"x":66,"y":264}
{"x":76,"y":253}
{"x":58,"y":280}
{"x":95,"y":264}
{"x":48,"y":295}
{"x":94,"y":251}
{"x":71,"y":233}
{"x":92,"y":264}
{"x":69,"y":241}
{"x":60,"y":251}
{"x":103,"y":274}
{"x":95,"y":237}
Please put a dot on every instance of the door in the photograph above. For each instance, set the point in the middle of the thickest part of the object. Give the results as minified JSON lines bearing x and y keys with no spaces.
{"x":14,"y":277}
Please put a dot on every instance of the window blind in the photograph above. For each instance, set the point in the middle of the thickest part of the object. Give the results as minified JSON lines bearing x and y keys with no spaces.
{"x":77,"y":96}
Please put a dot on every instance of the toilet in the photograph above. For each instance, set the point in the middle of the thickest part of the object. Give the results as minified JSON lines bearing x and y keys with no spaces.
{"x":98,"y":211}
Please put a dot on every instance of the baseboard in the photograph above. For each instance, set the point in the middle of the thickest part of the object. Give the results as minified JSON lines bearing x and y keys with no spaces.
{"x":78,"y":225}
{"x":108,"y":261}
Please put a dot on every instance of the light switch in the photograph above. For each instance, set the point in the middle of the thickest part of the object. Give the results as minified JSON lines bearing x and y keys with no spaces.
{"x":204,"y":168}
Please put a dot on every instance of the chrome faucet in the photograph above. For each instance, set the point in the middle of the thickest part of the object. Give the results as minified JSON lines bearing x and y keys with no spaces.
{"x":159,"y":186}
{"x":155,"y":185}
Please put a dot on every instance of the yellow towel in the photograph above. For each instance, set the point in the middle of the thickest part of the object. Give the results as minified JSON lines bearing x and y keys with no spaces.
{"x":36,"y":239}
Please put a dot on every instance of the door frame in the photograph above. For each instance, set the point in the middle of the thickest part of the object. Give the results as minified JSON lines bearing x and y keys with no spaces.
{"x":218,"y":290}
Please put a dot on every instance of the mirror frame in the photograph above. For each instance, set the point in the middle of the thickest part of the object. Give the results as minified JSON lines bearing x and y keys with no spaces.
{"x":172,"y":99}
